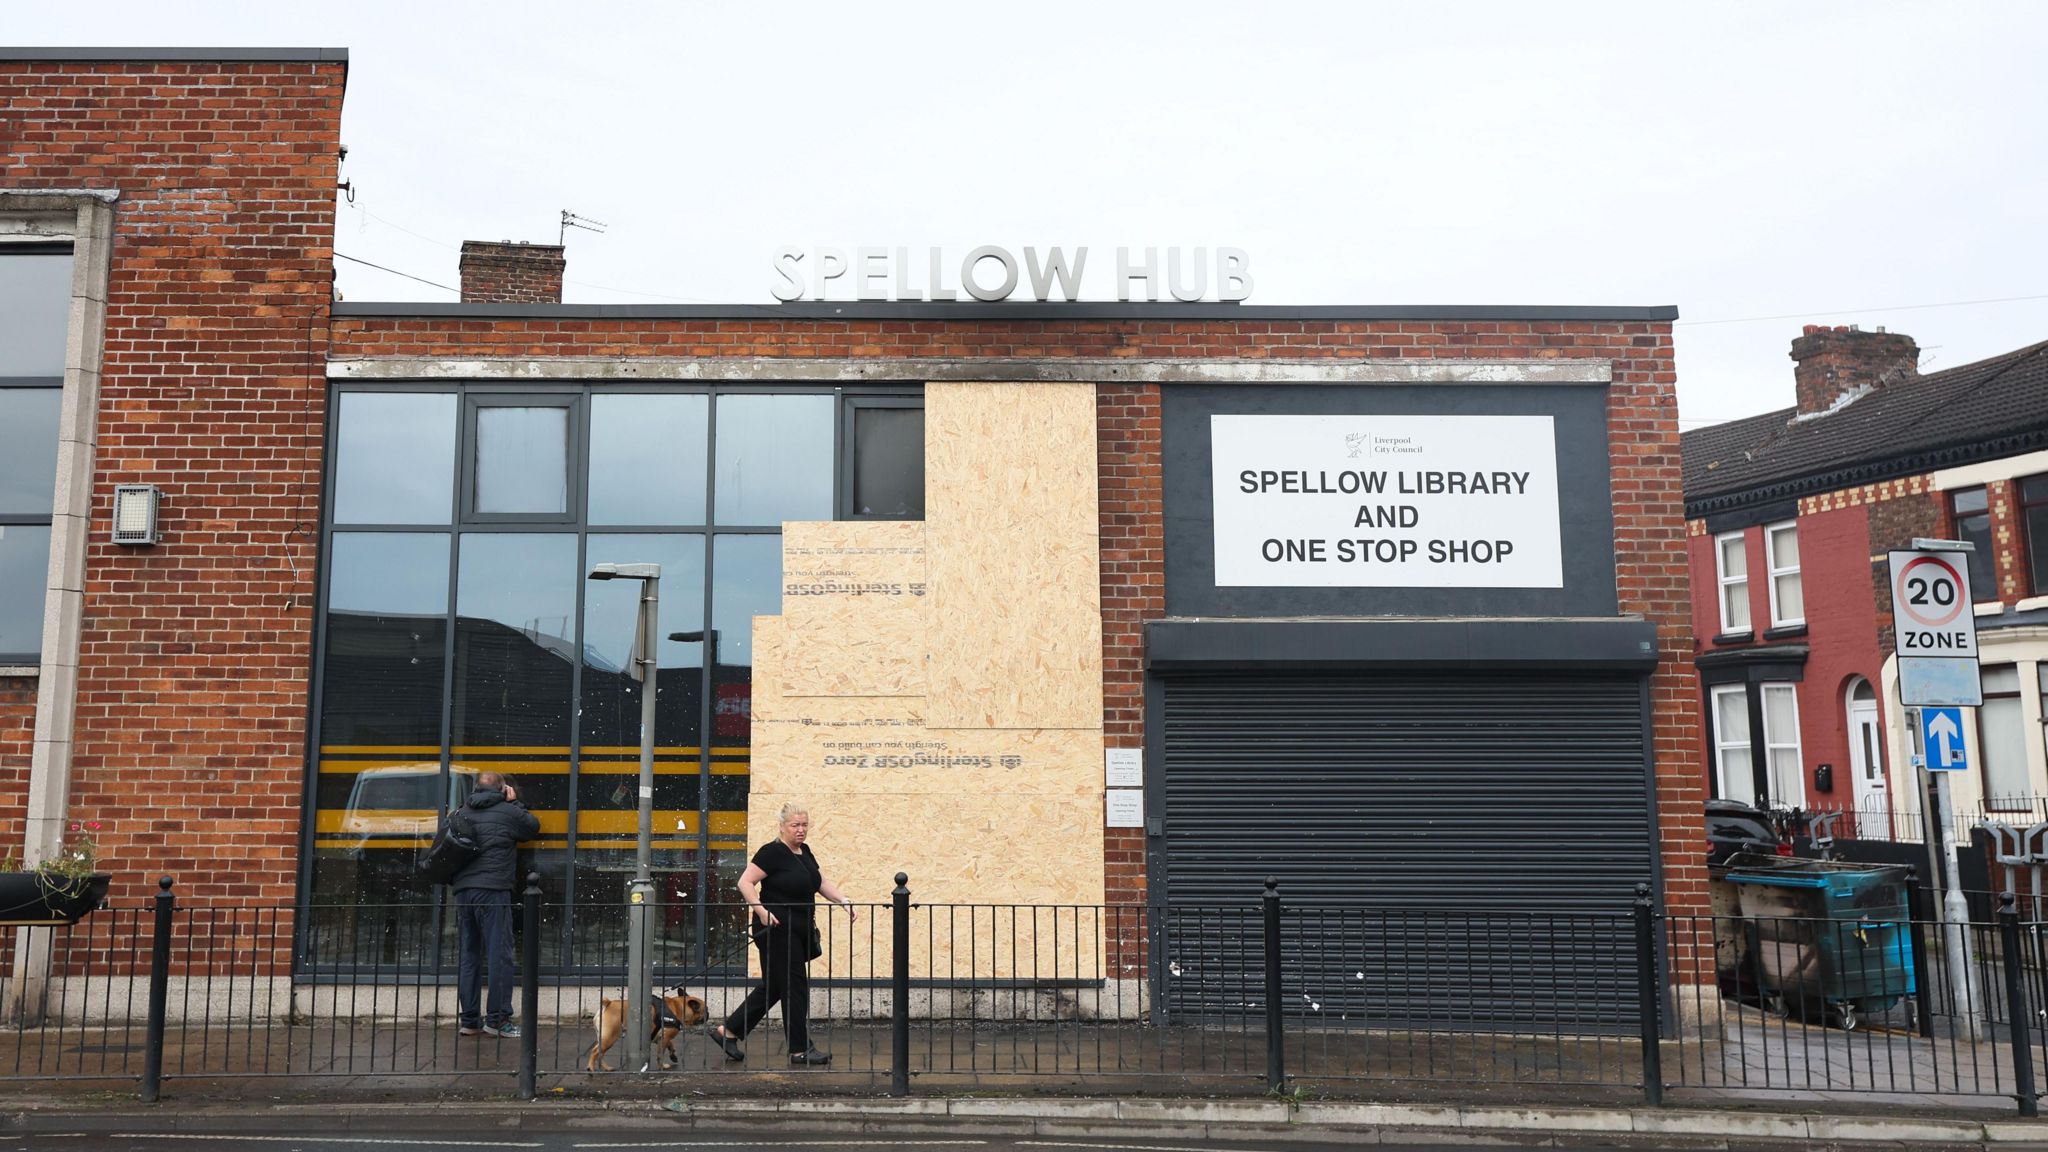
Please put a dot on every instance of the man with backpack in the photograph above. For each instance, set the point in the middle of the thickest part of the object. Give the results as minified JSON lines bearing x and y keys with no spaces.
{"x":483,"y":902}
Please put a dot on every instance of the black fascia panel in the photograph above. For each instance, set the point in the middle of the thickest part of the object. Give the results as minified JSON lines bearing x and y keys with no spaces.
{"x":1187,"y":645}
{"x":970,"y":312}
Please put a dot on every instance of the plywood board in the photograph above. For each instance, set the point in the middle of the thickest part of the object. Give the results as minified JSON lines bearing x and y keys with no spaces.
{"x":853,"y":596}
{"x":1014,"y":621}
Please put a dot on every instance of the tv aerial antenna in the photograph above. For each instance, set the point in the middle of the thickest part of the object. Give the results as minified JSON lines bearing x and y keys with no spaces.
{"x":572,"y":220}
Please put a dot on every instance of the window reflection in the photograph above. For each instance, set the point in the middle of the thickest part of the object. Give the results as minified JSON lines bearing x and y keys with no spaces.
{"x":647,"y":459}
{"x":28,"y":450}
{"x":607,"y":782}
{"x":35,"y":312}
{"x":394,"y":458}
{"x":522,"y":460}
{"x":381,"y":784}
{"x":774,"y":459}
{"x":24,"y":577}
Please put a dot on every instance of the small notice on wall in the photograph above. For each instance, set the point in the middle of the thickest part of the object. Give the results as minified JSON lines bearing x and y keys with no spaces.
{"x":1386,"y":501}
{"x":1123,"y":767}
{"x":1123,"y":808}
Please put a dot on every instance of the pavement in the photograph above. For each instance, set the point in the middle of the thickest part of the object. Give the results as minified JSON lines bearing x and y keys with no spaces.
{"x":669,"y":1104}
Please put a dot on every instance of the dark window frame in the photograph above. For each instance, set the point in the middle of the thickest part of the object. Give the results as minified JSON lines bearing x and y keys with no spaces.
{"x":1982,"y":565}
{"x":2033,"y":568}
{"x":577,"y":395}
{"x":2020,"y":801}
{"x":851,"y":405}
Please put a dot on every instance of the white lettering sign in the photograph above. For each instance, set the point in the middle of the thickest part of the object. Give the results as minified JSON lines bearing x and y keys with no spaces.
{"x":991,"y":273}
{"x":1123,"y":808}
{"x":1386,"y":502}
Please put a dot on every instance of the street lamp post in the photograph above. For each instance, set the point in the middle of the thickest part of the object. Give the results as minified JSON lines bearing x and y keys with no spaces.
{"x":640,"y":897}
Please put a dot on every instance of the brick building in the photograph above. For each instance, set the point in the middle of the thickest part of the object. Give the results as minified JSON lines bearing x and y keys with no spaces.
{"x":1366,"y":590}
{"x":1790,"y":516}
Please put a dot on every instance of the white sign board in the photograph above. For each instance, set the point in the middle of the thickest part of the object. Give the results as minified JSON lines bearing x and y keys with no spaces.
{"x":1935,"y":629}
{"x":1386,"y":501}
{"x":1123,"y":808}
{"x":1123,"y":767}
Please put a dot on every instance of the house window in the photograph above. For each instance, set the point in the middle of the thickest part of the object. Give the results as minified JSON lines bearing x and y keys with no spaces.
{"x":1781,"y":550}
{"x":1732,"y":761}
{"x":1731,"y":569}
{"x":2001,"y":739}
{"x":1781,"y":742}
{"x":459,"y":635}
{"x":2033,"y":517}
{"x":35,"y":309}
{"x":1970,"y":509}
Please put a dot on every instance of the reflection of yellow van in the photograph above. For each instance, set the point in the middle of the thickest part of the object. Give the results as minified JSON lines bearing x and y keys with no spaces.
{"x":398,"y":807}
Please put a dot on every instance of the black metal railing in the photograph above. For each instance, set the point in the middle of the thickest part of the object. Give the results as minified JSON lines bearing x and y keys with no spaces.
{"x":1257,"y":995}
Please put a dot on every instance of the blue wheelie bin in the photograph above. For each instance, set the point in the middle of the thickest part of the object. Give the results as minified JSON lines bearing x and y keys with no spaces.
{"x":1826,"y":934}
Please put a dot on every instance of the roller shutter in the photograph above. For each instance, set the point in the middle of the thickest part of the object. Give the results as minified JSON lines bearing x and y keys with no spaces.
{"x":1453,"y":847}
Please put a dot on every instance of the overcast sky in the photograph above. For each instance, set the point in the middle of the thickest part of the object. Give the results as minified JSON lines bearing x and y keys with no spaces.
{"x":1761,"y":166}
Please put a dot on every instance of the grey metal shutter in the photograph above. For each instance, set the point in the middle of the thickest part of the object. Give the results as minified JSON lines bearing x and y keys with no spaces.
{"x":1454,"y":848}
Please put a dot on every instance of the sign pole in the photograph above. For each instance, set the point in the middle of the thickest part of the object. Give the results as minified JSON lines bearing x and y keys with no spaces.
{"x":1935,"y":632}
{"x":1955,"y":936}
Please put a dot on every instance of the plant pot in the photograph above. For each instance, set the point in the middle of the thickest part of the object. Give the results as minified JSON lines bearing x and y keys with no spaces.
{"x":26,"y":898}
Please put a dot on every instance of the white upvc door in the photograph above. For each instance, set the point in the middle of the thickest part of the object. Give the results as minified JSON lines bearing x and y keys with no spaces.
{"x":1866,"y":769}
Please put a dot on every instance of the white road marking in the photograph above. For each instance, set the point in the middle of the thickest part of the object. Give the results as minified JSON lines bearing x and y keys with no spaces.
{"x":330,"y":1140}
{"x":796,"y":1144}
{"x":1131,"y":1147}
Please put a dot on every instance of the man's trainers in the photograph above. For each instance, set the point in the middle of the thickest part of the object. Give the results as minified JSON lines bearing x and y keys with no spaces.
{"x":467,"y":1030}
{"x":507,"y":1030}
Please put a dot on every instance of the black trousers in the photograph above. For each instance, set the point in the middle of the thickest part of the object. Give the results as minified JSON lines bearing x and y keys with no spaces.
{"x":785,"y":979}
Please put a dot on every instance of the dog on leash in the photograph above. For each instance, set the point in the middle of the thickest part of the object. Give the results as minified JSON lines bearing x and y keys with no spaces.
{"x":670,"y":1015}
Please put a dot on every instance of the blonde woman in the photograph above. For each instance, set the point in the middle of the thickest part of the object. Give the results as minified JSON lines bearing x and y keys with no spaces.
{"x":780,"y":887}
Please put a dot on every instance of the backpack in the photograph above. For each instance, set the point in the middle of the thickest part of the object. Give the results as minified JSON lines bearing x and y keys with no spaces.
{"x":455,"y":846}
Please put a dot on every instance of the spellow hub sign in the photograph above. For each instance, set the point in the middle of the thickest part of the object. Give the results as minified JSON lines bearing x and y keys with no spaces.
{"x":1386,"y":501}
{"x":991,"y":273}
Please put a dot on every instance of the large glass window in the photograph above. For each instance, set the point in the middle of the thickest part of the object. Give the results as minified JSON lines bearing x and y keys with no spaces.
{"x":1781,"y":743}
{"x":1732,"y":763}
{"x":2033,"y":517}
{"x":647,"y":459}
{"x":887,"y":460}
{"x":775,"y":459}
{"x":35,"y":308}
{"x":1970,"y":508}
{"x":2002,"y":739}
{"x":1731,"y":569}
{"x":394,"y":458}
{"x":461,"y":635}
{"x":1788,"y":602}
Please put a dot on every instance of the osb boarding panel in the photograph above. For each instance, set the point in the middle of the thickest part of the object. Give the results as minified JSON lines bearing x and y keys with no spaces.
{"x":974,"y":816}
{"x":853,"y":597}
{"x":1014,"y":624}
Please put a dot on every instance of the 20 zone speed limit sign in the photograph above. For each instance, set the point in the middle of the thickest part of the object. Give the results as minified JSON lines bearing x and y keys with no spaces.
{"x":1931,"y":611}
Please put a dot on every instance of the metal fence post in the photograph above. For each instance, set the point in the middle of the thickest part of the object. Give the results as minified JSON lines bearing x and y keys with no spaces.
{"x":1276,"y":1061}
{"x":529,"y":987}
{"x":899,"y":988}
{"x":1917,"y":918}
{"x":1649,"y":997}
{"x":159,"y":994}
{"x":2016,"y":1005}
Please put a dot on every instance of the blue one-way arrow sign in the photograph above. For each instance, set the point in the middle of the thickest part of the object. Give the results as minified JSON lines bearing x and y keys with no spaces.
{"x":1941,"y":735}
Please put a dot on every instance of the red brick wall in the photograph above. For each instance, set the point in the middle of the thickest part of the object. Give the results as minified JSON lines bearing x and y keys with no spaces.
{"x":192,"y":699}
{"x":1651,"y":567}
{"x":1133,"y":591}
{"x":17,"y":732}
{"x":511,"y":273}
{"x":1835,"y":572}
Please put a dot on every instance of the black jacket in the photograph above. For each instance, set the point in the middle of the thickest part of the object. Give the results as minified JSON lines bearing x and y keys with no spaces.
{"x":500,"y":825}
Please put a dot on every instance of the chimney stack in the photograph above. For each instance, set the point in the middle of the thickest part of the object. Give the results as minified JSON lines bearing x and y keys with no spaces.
{"x":1830,"y":363}
{"x":509,"y":273}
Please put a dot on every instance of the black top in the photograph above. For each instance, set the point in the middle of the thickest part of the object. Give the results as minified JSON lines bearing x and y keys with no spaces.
{"x":500,"y":825}
{"x":791,"y":881}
